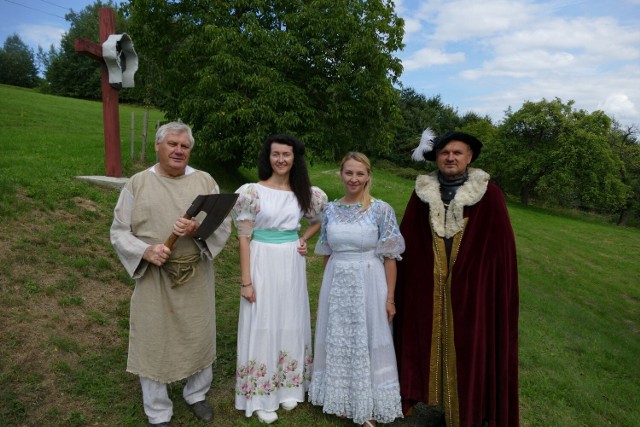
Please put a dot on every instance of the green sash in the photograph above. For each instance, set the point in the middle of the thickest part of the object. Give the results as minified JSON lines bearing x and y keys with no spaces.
{"x":275,"y":236}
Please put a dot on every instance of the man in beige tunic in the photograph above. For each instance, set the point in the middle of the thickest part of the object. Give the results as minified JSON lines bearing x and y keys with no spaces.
{"x":172,"y":317}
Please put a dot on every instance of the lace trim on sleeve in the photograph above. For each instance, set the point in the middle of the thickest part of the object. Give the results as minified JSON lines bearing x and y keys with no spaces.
{"x":322,"y":246}
{"x":391,"y":242}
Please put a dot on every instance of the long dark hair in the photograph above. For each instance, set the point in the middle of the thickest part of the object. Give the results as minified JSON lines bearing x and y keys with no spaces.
{"x":298,"y":176}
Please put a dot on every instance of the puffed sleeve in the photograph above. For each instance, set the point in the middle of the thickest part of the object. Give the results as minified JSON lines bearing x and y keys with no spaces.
{"x":322,"y":246}
{"x":390,"y":241}
{"x":318,"y":203}
{"x":245,"y":210}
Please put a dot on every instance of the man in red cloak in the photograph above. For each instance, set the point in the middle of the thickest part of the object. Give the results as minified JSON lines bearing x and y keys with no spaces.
{"x":456,"y":327}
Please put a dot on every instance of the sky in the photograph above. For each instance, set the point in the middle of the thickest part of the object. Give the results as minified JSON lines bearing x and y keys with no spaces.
{"x":481,"y":56}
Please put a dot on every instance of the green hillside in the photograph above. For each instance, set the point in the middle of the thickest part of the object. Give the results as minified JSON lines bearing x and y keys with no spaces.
{"x":64,"y":295}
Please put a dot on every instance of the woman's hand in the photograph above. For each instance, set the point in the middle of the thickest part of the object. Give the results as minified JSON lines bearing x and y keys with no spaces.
{"x":391,"y":310}
{"x":390,"y":273}
{"x":248,"y":292}
{"x":302,"y":247}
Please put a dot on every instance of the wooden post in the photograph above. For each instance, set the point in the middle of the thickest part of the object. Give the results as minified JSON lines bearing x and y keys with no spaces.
{"x":110,"y":113}
{"x":133,"y":128}
{"x":154,"y":142}
{"x":145,"y":124}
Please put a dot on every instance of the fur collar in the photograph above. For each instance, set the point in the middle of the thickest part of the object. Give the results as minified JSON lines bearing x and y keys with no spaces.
{"x":446,"y":223}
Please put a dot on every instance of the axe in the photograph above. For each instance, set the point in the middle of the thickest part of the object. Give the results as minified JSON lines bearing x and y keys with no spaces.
{"x":216,"y":206}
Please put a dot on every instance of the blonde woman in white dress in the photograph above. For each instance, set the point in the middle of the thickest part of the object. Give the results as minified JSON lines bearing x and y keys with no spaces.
{"x":355,"y":374}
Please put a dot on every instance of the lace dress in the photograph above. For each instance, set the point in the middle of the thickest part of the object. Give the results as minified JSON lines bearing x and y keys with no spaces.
{"x":355,"y":373}
{"x":274,"y":358}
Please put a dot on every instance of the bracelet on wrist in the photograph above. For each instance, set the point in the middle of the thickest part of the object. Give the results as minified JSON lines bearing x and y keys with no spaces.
{"x":246,"y":285}
{"x":391,"y":302}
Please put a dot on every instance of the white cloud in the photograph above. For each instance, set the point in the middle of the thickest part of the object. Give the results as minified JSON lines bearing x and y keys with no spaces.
{"x":599,"y":38}
{"x":429,"y":56}
{"x":616,"y":93}
{"x":41,"y":35}
{"x":411,"y":26}
{"x":469,"y":19}
{"x":507,"y":52}
{"x":522,"y":64}
{"x":619,"y":104}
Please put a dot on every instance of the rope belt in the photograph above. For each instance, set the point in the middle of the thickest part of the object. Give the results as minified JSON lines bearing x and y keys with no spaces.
{"x":182,"y":269}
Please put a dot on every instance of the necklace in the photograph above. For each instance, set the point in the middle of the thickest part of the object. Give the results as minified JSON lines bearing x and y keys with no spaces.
{"x":342,"y":204}
{"x":348,"y":205}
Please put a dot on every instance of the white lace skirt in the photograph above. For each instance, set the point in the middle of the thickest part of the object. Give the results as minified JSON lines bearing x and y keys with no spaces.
{"x":355,"y":373}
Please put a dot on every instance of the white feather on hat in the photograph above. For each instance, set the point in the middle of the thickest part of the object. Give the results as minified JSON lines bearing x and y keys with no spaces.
{"x":426,"y":145}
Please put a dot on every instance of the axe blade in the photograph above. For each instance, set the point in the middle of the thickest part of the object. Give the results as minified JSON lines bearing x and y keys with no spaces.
{"x":217,"y":207}
{"x":196,"y":205}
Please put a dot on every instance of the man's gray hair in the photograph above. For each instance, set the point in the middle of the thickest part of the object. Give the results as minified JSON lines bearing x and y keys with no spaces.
{"x":173,"y":128}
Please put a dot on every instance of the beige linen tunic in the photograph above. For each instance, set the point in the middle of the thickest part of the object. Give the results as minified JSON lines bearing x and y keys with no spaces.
{"x":172,"y":329}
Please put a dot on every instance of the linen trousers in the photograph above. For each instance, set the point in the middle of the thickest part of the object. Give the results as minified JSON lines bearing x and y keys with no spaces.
{"x":158,"y":406}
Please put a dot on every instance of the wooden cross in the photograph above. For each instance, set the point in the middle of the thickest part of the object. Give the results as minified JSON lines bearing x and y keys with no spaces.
{"x":110,"y":113}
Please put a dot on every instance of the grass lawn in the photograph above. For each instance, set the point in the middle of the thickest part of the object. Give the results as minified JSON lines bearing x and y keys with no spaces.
{"x":64,"y":297}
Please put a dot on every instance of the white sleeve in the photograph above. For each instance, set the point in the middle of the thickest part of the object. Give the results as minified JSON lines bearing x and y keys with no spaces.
{"x":128,"y":247}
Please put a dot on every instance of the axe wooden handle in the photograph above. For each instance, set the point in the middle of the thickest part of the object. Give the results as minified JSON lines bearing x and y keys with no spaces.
{"x":172,"y":239}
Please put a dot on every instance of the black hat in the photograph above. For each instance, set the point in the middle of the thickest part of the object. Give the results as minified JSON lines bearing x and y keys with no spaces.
{"x":438,"y":143}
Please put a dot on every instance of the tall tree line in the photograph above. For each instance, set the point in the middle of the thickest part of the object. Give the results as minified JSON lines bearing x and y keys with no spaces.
{"x":17,"y":63}
{"x":326,"y":71}
{"x":239,"y":70}
{"x":546,"y":152}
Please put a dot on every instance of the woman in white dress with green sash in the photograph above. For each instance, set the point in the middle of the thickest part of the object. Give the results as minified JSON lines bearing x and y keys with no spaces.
{"x":274,"y":358}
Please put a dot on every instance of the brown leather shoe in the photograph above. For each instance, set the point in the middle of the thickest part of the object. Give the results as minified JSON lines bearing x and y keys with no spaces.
{"x":203,"y":411}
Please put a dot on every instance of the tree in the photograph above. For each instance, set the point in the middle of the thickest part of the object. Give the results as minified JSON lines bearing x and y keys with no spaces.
{"x":17,"y":65}
{"x":483,"y":129}
{"x":626,"y":146}
{"x":418,"y":113}
{"x":240,"y":70}
{"x":70,"y":73}
{"x":43,"y":58}
{"x":559,"y":155}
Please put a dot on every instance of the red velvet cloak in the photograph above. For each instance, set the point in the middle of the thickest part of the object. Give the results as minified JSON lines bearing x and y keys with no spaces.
{"x":483,"y":298}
